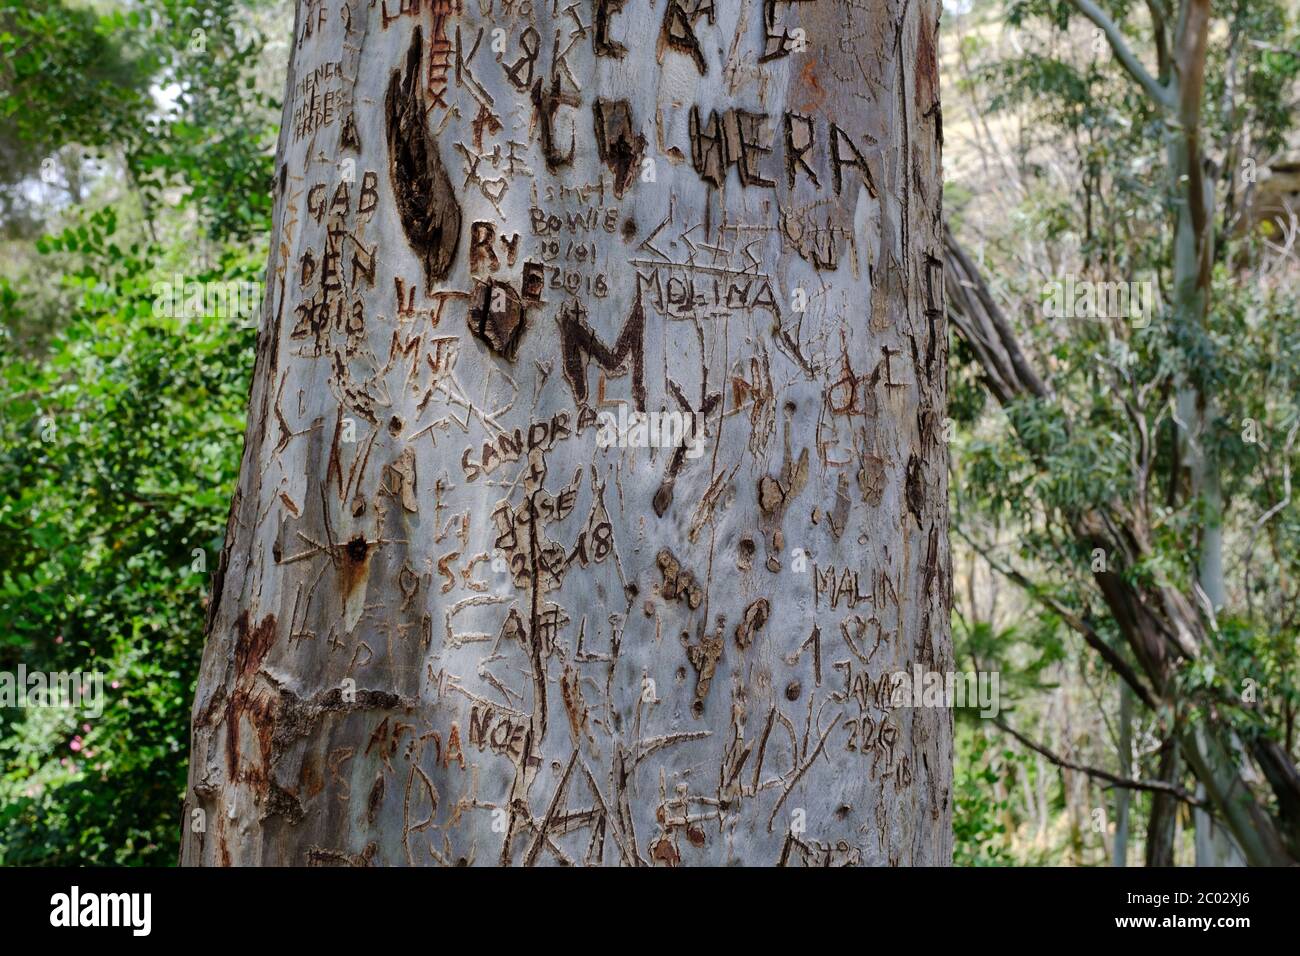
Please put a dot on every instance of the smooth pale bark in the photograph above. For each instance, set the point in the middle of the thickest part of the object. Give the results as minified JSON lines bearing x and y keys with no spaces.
{"x":449,"y":625}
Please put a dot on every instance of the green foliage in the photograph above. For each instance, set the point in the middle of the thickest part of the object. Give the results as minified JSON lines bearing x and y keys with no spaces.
{"x":978,"y":817}
{"x":220,"y":142}
{"x":68,"y":75}
{"x":1023,"y":658}
{"x":120,"y":427}
{"x":1268,"y":68}
{"x":120,"y":449}
{"x":1096,"y":201}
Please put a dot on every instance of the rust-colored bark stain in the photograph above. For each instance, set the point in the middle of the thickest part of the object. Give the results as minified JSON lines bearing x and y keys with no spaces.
{"x":252,"y":643}
{"x":426,"y":201}
{"x":575,"y":706}
{"x":310,"y":779}
{"x":809,"y":84}
{"x":664,"y":852}
{"x":927,"y":71}
{"x":375,"y":800}
{"x":355,"y":566}
{"x":260,"y":714}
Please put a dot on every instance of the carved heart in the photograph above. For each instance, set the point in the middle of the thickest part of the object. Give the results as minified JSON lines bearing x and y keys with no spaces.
{"x":489,"y":185}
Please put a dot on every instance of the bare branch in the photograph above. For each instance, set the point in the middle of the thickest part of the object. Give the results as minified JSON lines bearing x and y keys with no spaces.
{"x":983,"y":325}
{"x":1072,"y":620}
{"x":1151,"y":786}
{"x":1160,"y":94}
{"x":1156,"y":9}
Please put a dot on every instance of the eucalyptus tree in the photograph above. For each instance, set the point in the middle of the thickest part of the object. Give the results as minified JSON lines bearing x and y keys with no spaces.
{"x":594,"y":483}
{"x":1142,"y":430}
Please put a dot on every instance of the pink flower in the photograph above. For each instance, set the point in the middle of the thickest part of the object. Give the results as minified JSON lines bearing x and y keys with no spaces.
{"x":113,"y":685}
{"x":59,"y":639}
{"x":76,"y":744}
{"x":86,"y":728}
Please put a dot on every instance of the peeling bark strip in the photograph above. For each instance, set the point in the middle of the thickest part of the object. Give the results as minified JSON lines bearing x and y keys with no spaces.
{"x":591,"y":532}
{"x":426,"y":202}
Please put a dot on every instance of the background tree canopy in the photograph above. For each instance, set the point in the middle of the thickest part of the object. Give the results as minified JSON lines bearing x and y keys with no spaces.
{"x":1126,"y":539}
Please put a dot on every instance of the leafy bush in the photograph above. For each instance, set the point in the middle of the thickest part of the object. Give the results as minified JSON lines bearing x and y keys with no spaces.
{"x":118,"y":454}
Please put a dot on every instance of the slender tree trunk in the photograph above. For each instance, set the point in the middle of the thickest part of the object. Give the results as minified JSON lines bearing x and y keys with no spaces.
{"x":1163,"y":818}
{"x":471,"y":607}
{"x":1214,"y":843}
{"x":1119,"y":854}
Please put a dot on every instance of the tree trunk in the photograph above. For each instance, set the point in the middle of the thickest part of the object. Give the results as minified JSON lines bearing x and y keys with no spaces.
{"x":471,"y":607}
{"x":1155,"y":622}
{"x":1119,"y":852}
{"x":1163,"y":818}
